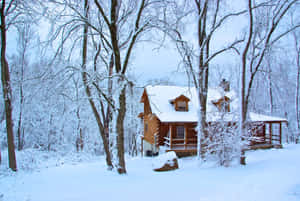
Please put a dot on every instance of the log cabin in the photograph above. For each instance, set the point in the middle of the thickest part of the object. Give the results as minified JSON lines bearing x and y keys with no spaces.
{"x":170,"y":119}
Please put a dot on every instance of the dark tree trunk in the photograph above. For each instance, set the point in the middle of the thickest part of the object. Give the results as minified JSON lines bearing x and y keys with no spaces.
{"x":203,"y":72}
{"x":297,"y":47}
{"x":244,"y":100}
{"x":122,"y":97}
{"x":108,"y":118}
{"x":120,"y":130}
{"x":88,"y":92}
{"x":7,"y":93}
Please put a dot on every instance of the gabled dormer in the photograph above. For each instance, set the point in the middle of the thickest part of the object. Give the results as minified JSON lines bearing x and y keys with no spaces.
{"x":181,"y":103}
{"x":223,"y":104}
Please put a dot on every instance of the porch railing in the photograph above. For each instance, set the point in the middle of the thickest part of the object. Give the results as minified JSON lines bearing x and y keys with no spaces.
{"x":179,"y":143}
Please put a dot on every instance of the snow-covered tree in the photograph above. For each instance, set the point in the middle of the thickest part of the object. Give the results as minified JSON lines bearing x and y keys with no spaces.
{"x":263,"y":32}
{"x":197,"y":53}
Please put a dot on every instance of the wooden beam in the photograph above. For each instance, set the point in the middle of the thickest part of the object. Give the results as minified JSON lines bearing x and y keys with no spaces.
{"x":185,"y":136}
{"x":170,"y":128}
{"x":142,"y":146}
{"x":280,"y":133}
{"x":264,"y":129}
{"x":270,"y":132}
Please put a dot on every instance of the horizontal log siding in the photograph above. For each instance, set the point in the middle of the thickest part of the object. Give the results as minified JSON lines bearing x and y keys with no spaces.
{"x":152,"y":128}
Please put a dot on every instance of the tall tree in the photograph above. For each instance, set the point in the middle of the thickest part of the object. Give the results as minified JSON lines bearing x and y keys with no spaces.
{"x":25,"y":35}
{"x":125,"y":21}
{"x":196,"y":60}
{"x":297,"y":95}
{"x":258,"y":43}
{"x":6,"y":9}
{"x":111,"y":31}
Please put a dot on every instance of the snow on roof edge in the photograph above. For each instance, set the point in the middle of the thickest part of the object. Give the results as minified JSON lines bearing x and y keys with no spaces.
{"x":160,"y":95}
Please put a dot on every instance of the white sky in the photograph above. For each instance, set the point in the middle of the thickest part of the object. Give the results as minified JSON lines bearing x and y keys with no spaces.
{"x":150,"y":63}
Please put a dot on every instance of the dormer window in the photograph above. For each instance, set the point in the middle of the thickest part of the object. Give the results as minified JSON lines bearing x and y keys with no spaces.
{"x":223,"y":104}
{"x":181,"y":106}
{"x":181,"y":103}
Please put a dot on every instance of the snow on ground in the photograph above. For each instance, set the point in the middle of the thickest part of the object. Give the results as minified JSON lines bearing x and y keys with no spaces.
{"x":270,"y":175}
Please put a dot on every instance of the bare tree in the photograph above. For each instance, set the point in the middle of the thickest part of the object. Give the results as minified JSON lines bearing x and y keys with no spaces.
{"x":297,"y":50}
{"x":113,"y":28}
{"x":77,"y":19}
{"x":24,"y":37}
{"x":122,"y":42}
{"x":6,"y":9}
{"x":261,"y":37}
{"x":209,"y":20}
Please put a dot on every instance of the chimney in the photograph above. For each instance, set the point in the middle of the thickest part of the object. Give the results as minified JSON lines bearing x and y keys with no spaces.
{"x":225,"y":85}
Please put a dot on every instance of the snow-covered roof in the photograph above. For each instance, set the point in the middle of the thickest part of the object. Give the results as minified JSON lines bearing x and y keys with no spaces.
{"x":261,"y":117}
{"x":161,"y":96}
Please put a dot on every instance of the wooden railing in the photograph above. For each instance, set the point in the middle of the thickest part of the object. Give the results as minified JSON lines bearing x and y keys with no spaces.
{"x":176,"y":143}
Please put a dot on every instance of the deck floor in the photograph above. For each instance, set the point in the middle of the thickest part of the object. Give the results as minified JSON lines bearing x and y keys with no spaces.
{"x":193,"y":149}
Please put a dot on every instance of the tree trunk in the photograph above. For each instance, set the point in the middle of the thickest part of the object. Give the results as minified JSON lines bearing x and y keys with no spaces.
{"x":24,"y":49}
{"x":107,"y":122}
{"x":120,"y":131}
{"x":19,"y":131}
{"x":243,"y":100}
{"x":270,"y":88}
{"x":203,"y":76}
{"x":297,"y":47}
{"x":79,"y":135}
{"x":7,"y":93}
{"x":88,"y":91}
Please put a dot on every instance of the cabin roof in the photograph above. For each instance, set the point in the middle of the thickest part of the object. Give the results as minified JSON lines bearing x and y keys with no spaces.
{"x":266,"y":118}
{"x":161,"y":96}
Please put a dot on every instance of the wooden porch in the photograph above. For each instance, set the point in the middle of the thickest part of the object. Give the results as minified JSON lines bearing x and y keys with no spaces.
{"x":184,"y":142}
{"x":263,"y":135}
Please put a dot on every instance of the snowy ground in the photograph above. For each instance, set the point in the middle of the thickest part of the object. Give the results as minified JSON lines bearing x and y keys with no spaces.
{"x":272,"y":175}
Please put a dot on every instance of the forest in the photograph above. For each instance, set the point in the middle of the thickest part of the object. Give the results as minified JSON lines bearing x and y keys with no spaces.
{"x":73,"y":71}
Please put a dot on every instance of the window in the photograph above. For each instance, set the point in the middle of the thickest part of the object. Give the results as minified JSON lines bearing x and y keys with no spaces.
{"x":181,"y":106}
{"x":146,"y":127}
{"x":180,"y":132}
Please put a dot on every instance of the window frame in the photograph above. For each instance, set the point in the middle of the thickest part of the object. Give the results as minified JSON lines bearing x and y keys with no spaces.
{"x":182,"y":136}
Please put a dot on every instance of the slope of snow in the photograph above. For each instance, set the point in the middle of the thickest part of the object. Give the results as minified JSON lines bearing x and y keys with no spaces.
{"x":270,"y":175}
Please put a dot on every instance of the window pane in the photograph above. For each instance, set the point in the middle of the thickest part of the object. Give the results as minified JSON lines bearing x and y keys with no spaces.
{"x":180,"y":132}
{"x":181,"y":104}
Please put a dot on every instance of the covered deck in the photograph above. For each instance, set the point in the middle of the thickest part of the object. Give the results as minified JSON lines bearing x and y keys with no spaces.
{"x":179,"y":137}
{"x":182,"y":138}
{"x":265,"y":134}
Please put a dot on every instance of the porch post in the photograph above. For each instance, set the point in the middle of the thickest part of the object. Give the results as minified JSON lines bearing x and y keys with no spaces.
{"x":142,"y":146}
{"x":264,"y":129}
{"x":185,"y":136}
{"x":170,"y":127}
{"x":280,"y":132}
{"x":270,"y":132}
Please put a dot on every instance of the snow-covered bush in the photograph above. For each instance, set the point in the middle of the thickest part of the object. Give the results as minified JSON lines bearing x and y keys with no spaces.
{"x":224,"y":143}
